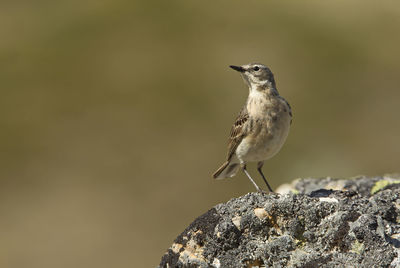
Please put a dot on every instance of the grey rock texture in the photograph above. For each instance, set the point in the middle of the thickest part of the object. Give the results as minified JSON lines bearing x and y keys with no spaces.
{"x":312,"y":223}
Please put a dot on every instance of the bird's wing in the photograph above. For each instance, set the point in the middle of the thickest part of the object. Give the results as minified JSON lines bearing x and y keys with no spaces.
{"x":238,"y":132}
{"x":290,"y":109}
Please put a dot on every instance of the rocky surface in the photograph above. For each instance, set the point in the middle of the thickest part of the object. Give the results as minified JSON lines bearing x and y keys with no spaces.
{"x":311,"y":223}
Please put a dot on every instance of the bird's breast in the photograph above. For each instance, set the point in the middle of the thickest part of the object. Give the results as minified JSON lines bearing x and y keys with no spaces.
{"x":267,"y":128}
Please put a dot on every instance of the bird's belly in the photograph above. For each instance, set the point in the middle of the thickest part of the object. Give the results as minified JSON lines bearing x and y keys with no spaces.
{"x":263,"y":144}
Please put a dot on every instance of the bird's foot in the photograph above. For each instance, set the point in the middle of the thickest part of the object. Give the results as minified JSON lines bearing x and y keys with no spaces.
{"x":259,"y":190}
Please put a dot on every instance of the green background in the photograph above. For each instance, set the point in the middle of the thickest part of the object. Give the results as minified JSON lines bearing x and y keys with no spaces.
{"x":114,"y":114}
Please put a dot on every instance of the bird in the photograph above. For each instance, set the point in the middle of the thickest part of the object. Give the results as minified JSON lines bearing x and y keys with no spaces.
{"x":261,"y":127}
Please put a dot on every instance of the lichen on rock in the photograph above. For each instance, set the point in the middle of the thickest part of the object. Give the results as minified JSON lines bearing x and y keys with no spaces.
{"x":325,"y":223}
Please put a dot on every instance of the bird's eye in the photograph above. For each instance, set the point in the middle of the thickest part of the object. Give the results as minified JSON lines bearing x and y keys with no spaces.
{"x":256,"y":68}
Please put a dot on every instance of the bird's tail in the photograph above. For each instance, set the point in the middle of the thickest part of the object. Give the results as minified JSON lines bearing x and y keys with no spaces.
{"x":227,"y":170}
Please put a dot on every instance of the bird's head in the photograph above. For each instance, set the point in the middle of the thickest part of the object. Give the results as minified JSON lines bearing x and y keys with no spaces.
{"x":256,"y":75}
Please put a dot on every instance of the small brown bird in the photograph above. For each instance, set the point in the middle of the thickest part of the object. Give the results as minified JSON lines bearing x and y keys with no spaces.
{"x":261,"y":127}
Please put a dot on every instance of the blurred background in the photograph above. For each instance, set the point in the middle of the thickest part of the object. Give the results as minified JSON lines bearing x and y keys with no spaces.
{"x":114,"y":114}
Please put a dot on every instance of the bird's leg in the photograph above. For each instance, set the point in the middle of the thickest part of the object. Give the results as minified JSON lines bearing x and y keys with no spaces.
{"x":243,"y":166}
{"x":259,"y":167}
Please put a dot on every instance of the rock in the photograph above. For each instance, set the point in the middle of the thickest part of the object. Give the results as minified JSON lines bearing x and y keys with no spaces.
{"x":318,"y":222}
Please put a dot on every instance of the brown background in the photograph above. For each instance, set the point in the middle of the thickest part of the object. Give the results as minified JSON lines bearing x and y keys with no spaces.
{"x":114,"y":114}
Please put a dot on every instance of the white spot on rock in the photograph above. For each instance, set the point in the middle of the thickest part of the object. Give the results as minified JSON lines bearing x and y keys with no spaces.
{"x":236,"y":221}
{"x":260,"y":213}
{"x":328,"y":199}
{"x":216,"y":263}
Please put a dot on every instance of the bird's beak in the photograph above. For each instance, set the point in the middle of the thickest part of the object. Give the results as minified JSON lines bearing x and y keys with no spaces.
{"x":237,"y":68}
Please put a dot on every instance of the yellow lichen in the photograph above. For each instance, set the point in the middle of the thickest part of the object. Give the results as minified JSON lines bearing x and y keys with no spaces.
{"x":382,"y":184}
{"x":357,"y":247}
{"x":176,"y":247}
